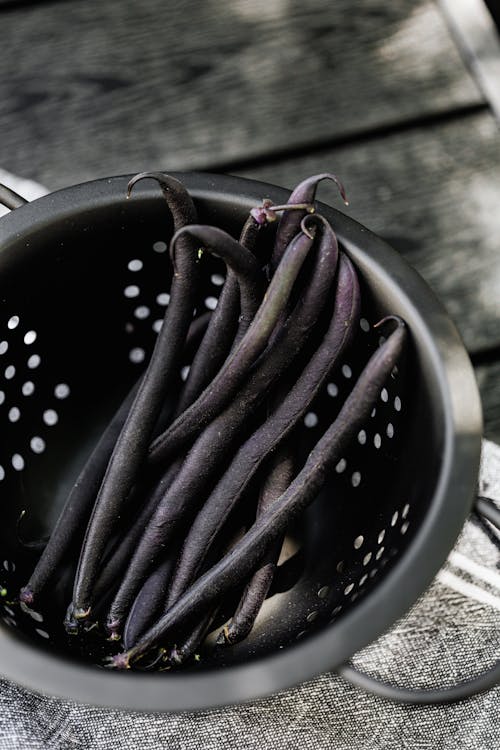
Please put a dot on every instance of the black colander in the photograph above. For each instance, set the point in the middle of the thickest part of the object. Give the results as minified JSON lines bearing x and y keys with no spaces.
{"x":84,"y":281}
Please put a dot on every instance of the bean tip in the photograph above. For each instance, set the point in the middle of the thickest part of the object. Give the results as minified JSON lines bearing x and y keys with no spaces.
{"x":81,"y":613}
{"x":305,"y":229}
{"x":118,"y":661}
{"x":395,"y":318}
{"x":26,"y":595}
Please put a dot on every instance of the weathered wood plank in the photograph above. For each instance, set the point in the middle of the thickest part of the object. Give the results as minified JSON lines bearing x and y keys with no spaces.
{"x":434,"y":193}
{"x":91,"y":89}
{"x":472,"y":26}
{"x":488,"y":380}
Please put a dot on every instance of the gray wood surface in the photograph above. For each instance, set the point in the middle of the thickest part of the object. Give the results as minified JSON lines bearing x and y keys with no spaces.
{"x":434,"y":193}
{"x":96,"y":88}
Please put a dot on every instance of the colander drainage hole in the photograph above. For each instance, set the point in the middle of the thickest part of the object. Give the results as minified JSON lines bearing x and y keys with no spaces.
{"x":211,"y":303}
{"x":137,"y":355}
{"x":131,"y":291}
{"x":362,"y":437}
{"x":163,"y":299}
{"x":217,"y":279}
{"x":356,"y":478}
{"x":364,"y":325}
{"x":14,"y":414}
{"x":332,"y":390}
{"x":346,"y":371}
{"x":50,"y":417}
{"x":348,"y":589}
{"x":394,"y":518}
{"x":157,"y":327}
{"x":2,"y":473}
{"x":135,"y":265}
{"x":384,"y":395}
{"x":30,"y":337}
{"x":341,"y":466}
{"x":185,"y":372}
{"x":10,"y":371}
{"x":17,"y":462}
{"x":28,"y":388}
{"x":37,"y":444}
{"x":159,"y":246}
{"x":37,"y":616}
{"x":142,"y":312}
{"x":13,"y":322}
{"x":3,"y":347}
{"x":390,"y":430}
{"x":62,"y":391}
{"x":381,"y":536}
{"x":34,"y":361}
{"x":311,"y":419}
{"x":358,"y":541}
{"x":367,"y":558}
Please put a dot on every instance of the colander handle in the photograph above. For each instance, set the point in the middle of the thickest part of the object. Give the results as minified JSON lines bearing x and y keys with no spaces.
{"x":10,"y":199}
{"x":486,"y":509}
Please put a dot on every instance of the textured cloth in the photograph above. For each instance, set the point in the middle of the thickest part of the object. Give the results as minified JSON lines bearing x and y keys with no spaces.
{"x":451,"y":633}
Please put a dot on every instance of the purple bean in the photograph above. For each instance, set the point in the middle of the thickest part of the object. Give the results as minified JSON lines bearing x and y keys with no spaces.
{"x":226,"y":432}
{"x":278,"y":479}
{"x":149,"y":603}
{"x":243,"y":558}
{"x":135,"y":437}
{"x":305,"y":192}
{"x":229,"y":378}
{"x":254,"y":451}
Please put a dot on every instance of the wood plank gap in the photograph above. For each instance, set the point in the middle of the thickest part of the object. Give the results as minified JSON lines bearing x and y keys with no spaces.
{"x":485,"y":356}
{"x":474,"y":31}
{"x":11,"y":6}
{"x":354,"y":138}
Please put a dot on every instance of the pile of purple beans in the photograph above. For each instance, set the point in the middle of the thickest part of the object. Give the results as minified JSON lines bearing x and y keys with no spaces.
{"x":175,"y":472}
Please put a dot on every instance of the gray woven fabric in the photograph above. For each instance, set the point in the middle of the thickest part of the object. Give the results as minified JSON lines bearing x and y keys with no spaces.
{"x":451,"y":633}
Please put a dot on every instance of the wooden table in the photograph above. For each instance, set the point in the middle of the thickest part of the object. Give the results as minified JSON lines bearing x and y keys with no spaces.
{"x":277,"y":89}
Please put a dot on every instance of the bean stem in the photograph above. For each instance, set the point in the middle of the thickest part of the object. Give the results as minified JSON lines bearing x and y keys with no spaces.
{"x":225,"y":384}
{"x":289,"y":224}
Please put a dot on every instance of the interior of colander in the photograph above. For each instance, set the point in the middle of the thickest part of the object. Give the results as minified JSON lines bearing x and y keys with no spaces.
{"x":77,"y":324}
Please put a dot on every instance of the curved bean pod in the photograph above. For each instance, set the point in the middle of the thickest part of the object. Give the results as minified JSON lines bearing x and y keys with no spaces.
{"x":222,"y":436}
{"x":229,"y":378}
{"x":277,"y":427}
{"x":289,"y":225}
{"x":254,"y":595}
{"x":133,"y":441}
{"x":239,"y":563}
